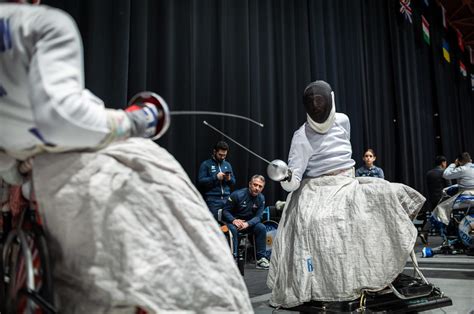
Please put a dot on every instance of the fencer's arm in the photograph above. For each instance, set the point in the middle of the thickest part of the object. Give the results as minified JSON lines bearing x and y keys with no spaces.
{"x":453,"y":172}
{"x":291,"y":184}
{"x":65,"y":112}
{"x":298,"y":157}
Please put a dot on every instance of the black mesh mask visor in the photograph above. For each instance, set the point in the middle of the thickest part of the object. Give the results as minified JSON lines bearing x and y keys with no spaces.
{"x":317,"y":101}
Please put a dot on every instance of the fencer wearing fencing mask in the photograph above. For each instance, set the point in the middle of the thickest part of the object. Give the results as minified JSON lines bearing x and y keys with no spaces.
{"x":322,"y":145}
{"x":318,"y":100}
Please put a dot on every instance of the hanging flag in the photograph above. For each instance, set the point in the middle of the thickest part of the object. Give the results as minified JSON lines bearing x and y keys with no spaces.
{"x":471,"y":54}
{"x":443,"y":13}
{"x":405,"y":9}
{"x":462,"y":68}
{"x":460,"y":41}
{"x":446,"y":51}
{"x":426,"y":29}
{"x":472,"y":82}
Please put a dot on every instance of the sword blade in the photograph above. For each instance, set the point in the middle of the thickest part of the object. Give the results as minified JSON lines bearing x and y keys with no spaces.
{"x":230,"y":138}
{"x":215,"y":113}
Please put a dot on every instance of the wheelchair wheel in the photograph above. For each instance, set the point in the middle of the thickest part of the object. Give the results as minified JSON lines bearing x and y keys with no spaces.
{"x":2,"y":284}
{"x":27,"y":273}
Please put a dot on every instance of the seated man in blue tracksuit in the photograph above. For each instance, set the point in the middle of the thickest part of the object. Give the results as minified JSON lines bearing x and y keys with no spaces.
{"x":243,"y":213}
{"x":215,"y":178}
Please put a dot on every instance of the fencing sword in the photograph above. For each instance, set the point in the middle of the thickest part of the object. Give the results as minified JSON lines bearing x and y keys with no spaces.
{"x":215,"y":113}
{"x":277,"y":169}
{"x":164,"y":114}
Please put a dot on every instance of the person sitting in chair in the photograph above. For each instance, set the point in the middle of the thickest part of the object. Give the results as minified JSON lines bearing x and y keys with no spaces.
{"x":243,"y":214}
{"x":463,"y":171}
{"x":435,"y":183}
{"x":369,"y":169}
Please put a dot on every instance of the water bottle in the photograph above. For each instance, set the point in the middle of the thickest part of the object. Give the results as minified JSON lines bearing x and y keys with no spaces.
{"x":426,"y":252}
{"x":429,"y":252}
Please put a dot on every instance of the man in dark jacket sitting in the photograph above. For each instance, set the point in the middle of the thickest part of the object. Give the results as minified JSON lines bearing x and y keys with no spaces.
{"x":243,"y":213}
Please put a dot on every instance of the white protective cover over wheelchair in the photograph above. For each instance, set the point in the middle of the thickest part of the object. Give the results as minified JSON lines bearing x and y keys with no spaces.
{"x":339,"y":236}
{"x":127,"y":228}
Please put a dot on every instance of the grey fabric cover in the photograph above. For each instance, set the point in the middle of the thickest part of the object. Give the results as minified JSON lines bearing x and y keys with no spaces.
{"x":339,"y":235}
{"x":127,"y":228}
{"x":442,"y":211}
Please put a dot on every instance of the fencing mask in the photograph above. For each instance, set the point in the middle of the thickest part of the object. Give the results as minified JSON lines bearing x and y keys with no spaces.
{"x":318,"y":100}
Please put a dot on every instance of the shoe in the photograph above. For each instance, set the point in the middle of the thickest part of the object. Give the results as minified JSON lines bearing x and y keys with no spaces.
{"x":263,"y":263}
{"x":424,"y":237}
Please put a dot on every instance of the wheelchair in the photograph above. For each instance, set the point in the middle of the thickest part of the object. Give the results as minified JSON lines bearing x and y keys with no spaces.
{"x":26,"y":283}
{"x":462,"y":221}
{"x":458,"y":235}
{"x":246,"y":243}
{"x":406,"y":294}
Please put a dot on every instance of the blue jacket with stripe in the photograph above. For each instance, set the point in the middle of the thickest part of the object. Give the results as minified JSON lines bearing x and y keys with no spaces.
{"x":242,"y":205}
{"x":208,"y":183}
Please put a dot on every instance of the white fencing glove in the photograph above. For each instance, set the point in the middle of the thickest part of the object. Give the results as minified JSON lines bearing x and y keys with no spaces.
{"x":149,"y":114}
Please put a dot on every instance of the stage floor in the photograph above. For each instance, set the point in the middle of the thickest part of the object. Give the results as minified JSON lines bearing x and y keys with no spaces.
{"x":453,"y":274}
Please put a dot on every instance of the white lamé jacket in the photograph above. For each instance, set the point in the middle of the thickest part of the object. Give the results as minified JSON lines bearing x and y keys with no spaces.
{"x":42,"y":94}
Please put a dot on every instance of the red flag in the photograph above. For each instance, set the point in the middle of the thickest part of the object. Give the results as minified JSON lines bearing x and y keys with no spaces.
{"x":405,"y":9}
{"x":462,"y":68}
{"x":426,"y":29}
{"x":460,"y":41}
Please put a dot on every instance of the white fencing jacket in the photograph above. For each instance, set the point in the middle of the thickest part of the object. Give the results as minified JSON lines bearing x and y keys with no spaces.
{"x":464,"y":174}
{"x":42,"y":94}
{"x":313,"y":154}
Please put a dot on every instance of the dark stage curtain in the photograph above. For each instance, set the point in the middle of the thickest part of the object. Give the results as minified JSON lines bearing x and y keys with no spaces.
{"x":254,"y":58}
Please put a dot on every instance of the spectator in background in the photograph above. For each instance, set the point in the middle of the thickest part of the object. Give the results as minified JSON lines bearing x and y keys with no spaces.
{"x":243,"y":213}
{"x":435,"y":183}
{"x":463,"y":171}
{"x":369,"y":169}
{"x":215,"y":178}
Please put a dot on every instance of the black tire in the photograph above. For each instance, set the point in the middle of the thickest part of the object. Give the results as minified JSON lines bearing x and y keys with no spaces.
{"x":16,"y":265}
{"x":2,"y":284}
{"x":47,"y":290}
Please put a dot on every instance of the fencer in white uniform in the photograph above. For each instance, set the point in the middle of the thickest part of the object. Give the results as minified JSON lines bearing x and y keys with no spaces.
{"x":127,"y":228}
{"x":313,"y":154}
{"x":338,"y":235}
{"x":44,"y":105}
